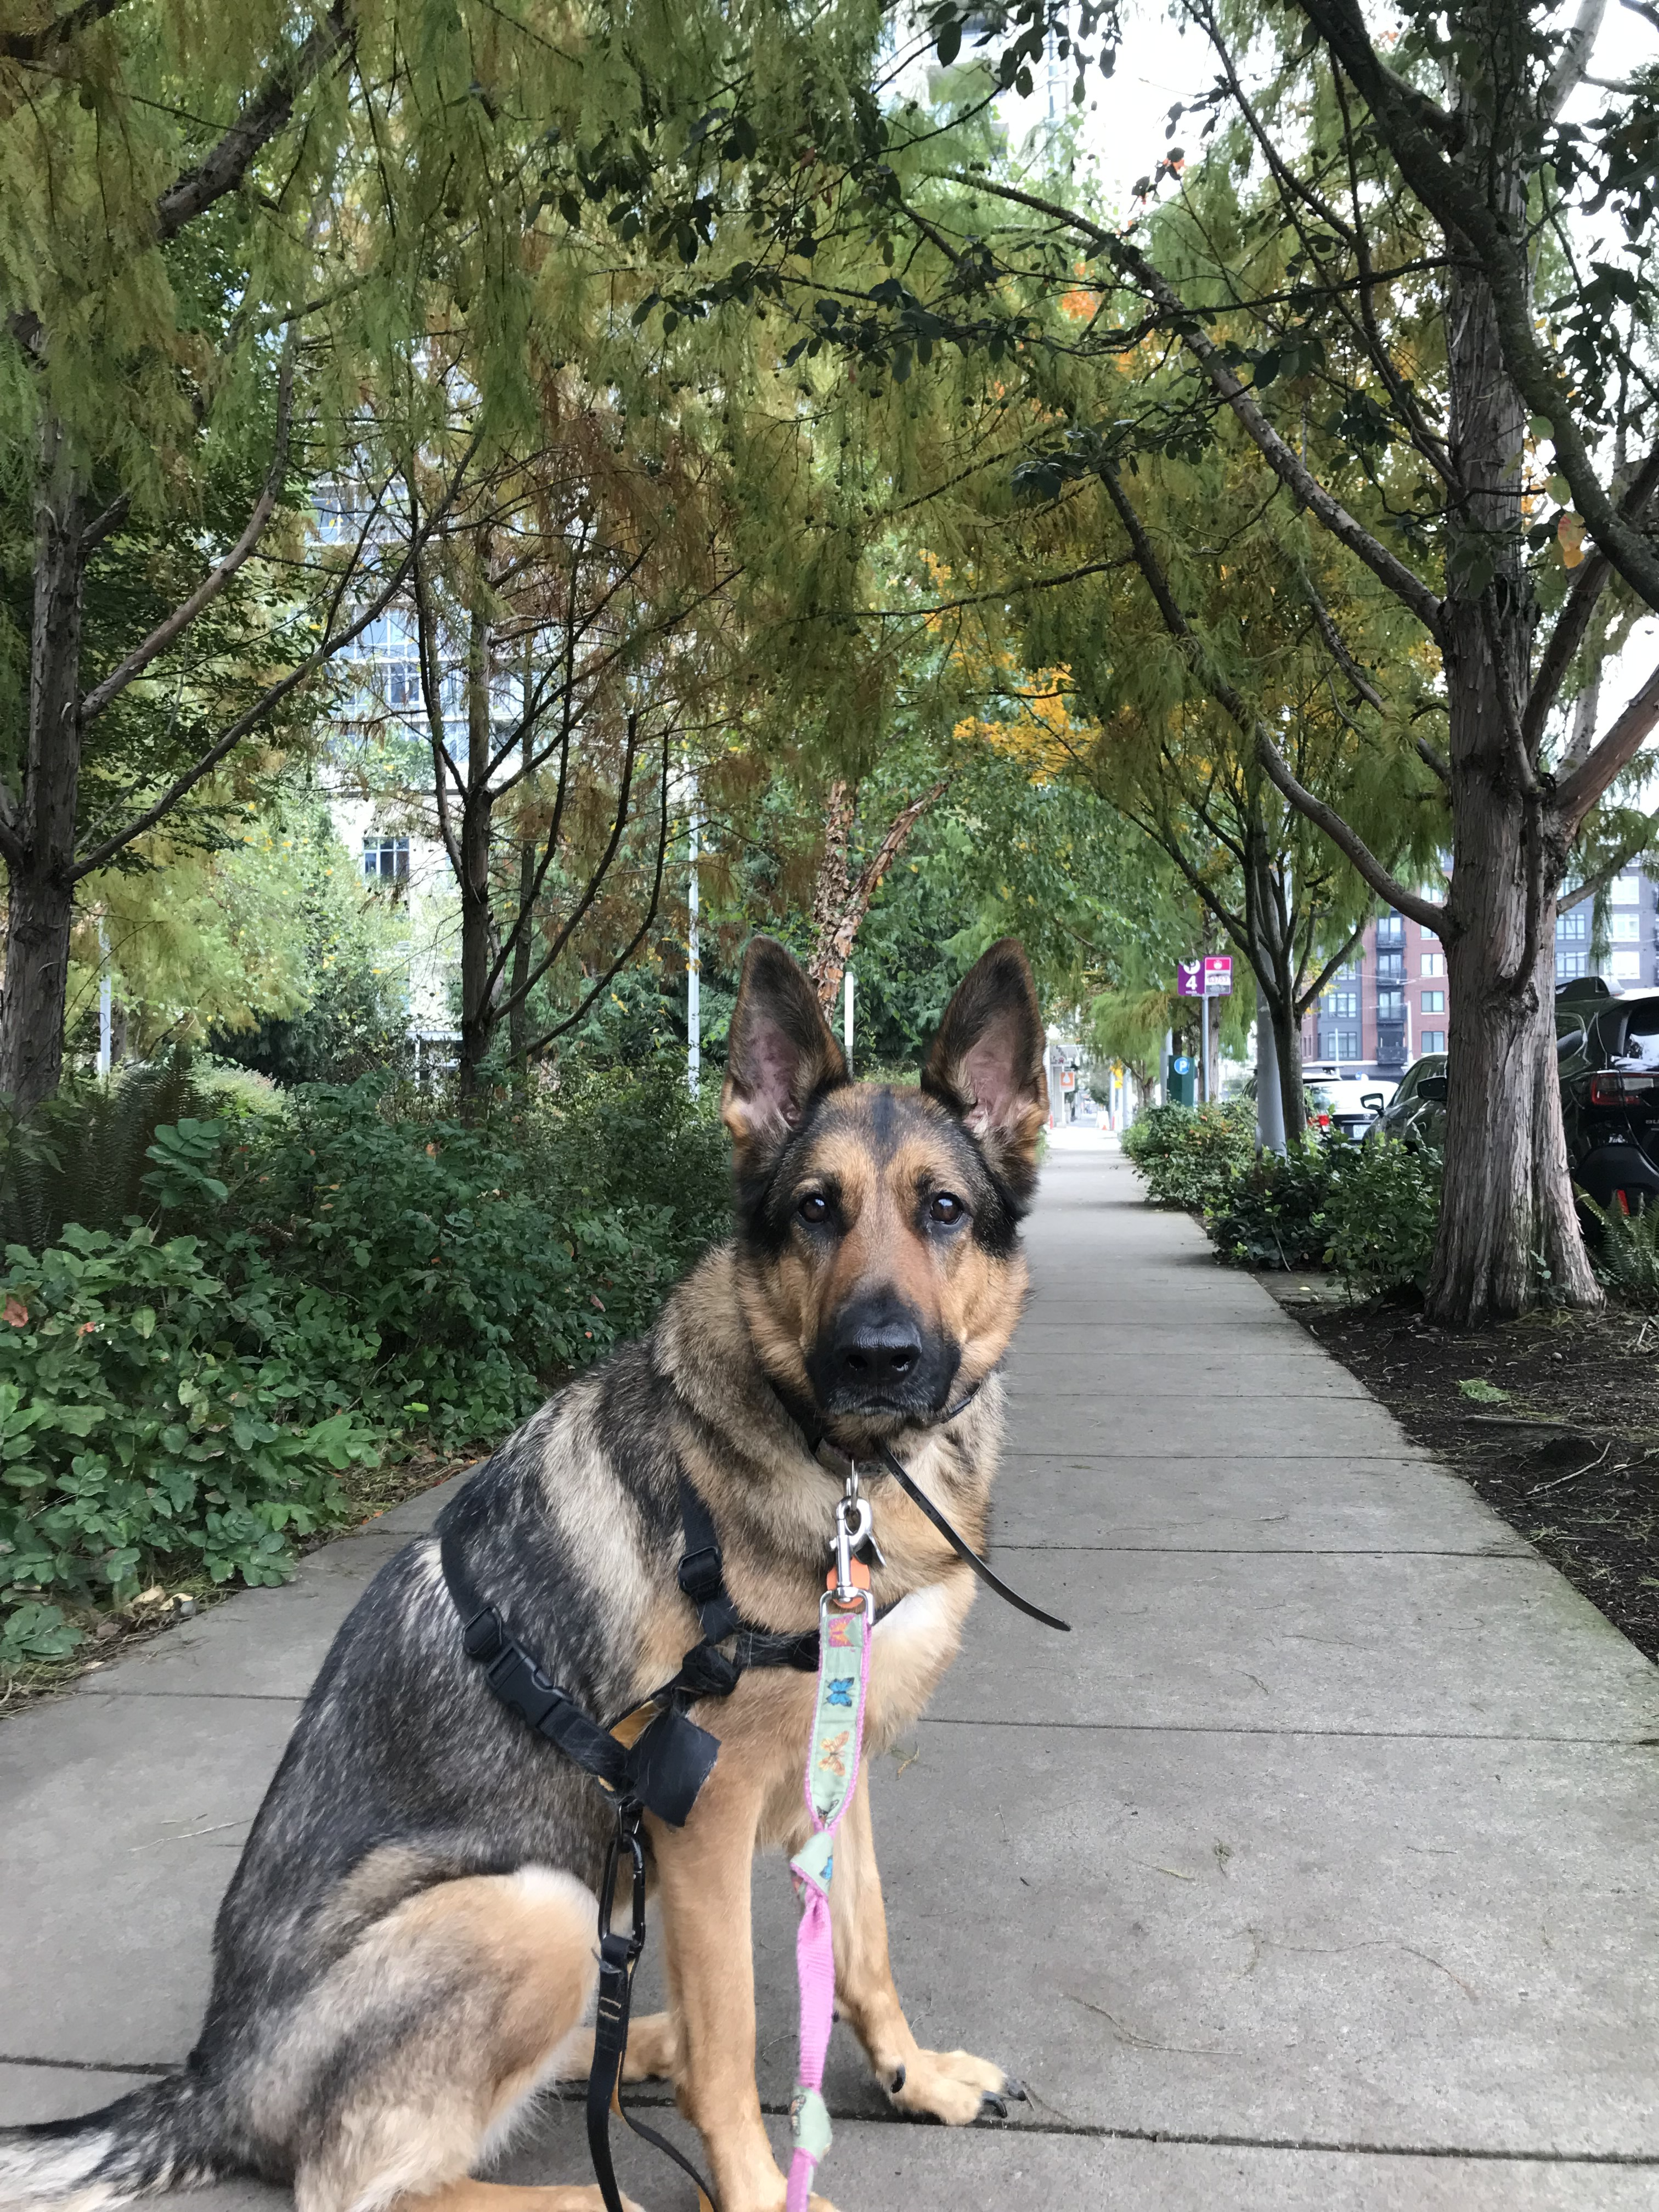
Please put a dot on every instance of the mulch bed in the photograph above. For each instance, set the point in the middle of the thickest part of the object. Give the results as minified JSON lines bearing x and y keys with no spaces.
{"x":1569,"y":1455}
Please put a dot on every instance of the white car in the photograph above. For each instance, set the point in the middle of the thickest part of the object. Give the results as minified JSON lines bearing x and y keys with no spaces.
{"x":1346,"y":1102}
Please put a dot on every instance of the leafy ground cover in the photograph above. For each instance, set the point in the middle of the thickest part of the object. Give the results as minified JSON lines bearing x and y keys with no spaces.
{"x":303,"y":1299}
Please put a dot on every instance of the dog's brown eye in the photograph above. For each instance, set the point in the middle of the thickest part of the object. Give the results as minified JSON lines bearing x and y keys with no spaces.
{"x":814,"y":1207}
{"x":946,"y":1206}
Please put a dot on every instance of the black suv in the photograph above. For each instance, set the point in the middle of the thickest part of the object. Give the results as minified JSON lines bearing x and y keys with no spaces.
{"x":1608,"y":1051}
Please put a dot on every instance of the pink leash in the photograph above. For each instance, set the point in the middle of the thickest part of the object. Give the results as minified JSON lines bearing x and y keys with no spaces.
{"x":846,"y":1625}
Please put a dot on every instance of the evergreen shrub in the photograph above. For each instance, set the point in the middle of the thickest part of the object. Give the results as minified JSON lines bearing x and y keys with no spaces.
{"x":1185,"y":1153}
{"x":299,"y":1292}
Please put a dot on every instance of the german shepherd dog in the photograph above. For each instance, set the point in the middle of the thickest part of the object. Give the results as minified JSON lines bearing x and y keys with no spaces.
{"x":407,"y":1949}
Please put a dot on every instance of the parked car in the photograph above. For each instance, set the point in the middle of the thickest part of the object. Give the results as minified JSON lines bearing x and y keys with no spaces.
{"x":1349,"y":1104}
{"x":1609,"y":1049}
{"x":1416,"y":1115}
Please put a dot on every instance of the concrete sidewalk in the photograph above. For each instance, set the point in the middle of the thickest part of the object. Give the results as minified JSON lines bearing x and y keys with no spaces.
{"x":1314,"y":1869}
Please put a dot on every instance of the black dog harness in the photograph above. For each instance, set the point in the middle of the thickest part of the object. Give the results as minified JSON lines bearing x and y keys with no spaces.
{"x":655,"y":1758}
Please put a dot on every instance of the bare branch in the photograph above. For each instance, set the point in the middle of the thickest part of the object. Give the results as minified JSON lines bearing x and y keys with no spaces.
{"x":559,"y":1029}
{"x":331,"y":645}
{"x":215,"y":581}
{"x":1575,"y":797}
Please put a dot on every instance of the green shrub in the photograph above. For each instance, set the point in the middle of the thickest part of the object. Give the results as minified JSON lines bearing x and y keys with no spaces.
{"x":1370,"y":1211}
{"x":149,"y":1426}
{"x":1627,"y":1254}
{"x":1381,"y":1218}
{"x":1185,"y":1153}
{"x":1270,"y":1212}
{"x":297,"y":1291}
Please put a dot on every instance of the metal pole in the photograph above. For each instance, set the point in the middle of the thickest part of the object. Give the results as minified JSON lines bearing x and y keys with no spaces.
{"x":1269,"y":1097}
{"x":105,"y":1005}
{"x":847,"y":1017}
{"x":692,"y":963}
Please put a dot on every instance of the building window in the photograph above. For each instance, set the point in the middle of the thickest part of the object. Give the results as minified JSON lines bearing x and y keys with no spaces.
{"x":385,"y":859}
{"x":1349,"y":971}
{"x":1625,"y":928}
{"x":1572,"y":926}
{"x":1434,"y":1040}
{"x":1434,"y":963}
{"x":1570,"y":965}
{"x":1390,"y":966}
{"x":1627,"y":891}
{"x":1391,"y":929}
{"x":1390,"y":1005}
{"x":1347,"y":1044}
{"x":1434,"y":1002}
{"x":1345,"y":1005}
{"x":1627,"y":966}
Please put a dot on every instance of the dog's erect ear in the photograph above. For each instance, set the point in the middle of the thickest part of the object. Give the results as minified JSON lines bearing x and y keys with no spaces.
{"x":986,"y":1063}
{"x":782,"y":1053}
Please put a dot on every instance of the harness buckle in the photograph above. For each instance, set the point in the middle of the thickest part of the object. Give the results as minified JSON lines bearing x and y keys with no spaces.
{"x":483,"y":1635}
{"x":701,"y":1574}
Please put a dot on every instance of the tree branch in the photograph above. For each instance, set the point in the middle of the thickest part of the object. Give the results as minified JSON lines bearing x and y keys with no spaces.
{"x":1250,"y":726}
{"x":1286,"y":463}
{"x":225,"y":164}
{"x":1575,"y":797}
{"x":215,"y":581}
{"x":222,"y":746}
{"x":1458,"y":204}
{"x":1573,"y":621}
{"x":43,"y":45}
{"x":559,"y":1029}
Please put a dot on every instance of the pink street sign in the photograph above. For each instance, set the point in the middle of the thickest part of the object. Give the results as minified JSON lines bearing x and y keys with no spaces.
{"x":1219,"y":975}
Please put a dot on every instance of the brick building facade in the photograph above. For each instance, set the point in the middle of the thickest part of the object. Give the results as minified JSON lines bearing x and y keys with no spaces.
{"x":1388,"y":1005}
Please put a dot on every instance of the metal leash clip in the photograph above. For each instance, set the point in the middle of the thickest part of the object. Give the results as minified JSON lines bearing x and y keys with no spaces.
{"x":849,"y":1579}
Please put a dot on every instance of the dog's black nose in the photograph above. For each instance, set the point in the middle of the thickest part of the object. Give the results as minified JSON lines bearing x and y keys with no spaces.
{"x":876,"y":1346}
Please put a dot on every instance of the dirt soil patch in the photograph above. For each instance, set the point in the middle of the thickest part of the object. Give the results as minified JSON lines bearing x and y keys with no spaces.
{"x":1553,"y":1420}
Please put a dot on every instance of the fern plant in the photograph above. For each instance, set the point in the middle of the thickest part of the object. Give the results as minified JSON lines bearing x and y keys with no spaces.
{"x":1627,"y":1252}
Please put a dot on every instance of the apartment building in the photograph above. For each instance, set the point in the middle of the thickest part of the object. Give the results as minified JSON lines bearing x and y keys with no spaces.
{"x":1388,"y":1005}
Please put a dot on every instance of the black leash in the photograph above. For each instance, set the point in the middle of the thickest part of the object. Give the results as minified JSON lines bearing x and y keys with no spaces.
{"x":618,"y":1956}
{"x":964,"y":1550}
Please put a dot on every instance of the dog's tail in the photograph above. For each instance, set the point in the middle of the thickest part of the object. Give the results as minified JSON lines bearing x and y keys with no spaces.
{"x":164,"y":2136}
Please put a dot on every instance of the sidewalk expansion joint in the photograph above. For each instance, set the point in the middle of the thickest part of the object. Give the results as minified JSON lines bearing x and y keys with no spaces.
{"x":1227,"y":1727}
{"x":660,"y":2099}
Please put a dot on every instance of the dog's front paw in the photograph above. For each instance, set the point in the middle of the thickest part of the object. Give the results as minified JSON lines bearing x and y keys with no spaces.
{"x":952,"y":2085}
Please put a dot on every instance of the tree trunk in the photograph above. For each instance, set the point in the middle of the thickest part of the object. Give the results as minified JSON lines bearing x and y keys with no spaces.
{"x":1507,"y":1200}
{"x":478,"y":939}
{"x":41,"y":898}
{"x":1287,"y":1045}
{"x":517,"y":999}
{"x":832,"y":892}
{"x":840,"y":904}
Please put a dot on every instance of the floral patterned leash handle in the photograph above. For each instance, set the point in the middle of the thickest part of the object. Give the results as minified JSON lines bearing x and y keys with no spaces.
{"x":847,"y":1617}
